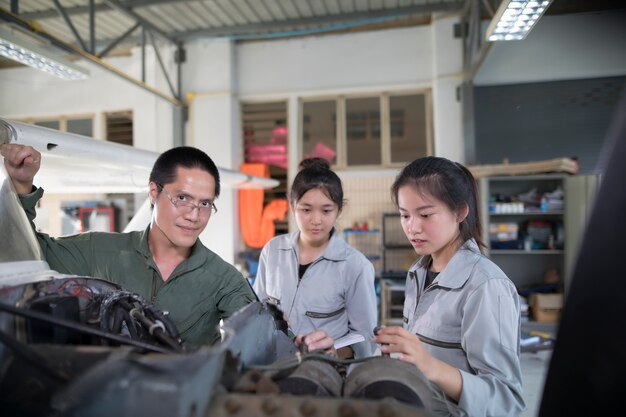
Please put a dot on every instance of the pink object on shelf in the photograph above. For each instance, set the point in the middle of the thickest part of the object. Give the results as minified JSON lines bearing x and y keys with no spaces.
{"x":322,"y":151}
{"x":265,"y":149}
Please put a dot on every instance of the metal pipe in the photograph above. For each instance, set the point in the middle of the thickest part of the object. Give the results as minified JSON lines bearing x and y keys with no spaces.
{"x":143,"y":54}
{"x":127,"y":11}
{"x":69,"y":23}
{"x":80,"y":328}
{"x":92,"y":27}
{"x":160,"y":61}
{"x":115,"y":42}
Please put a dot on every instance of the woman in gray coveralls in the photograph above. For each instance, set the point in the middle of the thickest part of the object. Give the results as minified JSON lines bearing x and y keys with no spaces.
{"x":461,"y":312}
{"x":312,"y":274}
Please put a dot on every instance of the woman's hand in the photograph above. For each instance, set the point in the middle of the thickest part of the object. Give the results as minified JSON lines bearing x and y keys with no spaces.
{"x":406,"y":345}
{"x":22,"y":163}
{"x":316,"y":340}
{"x":410,"y":349}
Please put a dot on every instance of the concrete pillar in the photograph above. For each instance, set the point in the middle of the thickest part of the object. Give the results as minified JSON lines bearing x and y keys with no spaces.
{"x":447,"y":78}
{"x":214,"y":126}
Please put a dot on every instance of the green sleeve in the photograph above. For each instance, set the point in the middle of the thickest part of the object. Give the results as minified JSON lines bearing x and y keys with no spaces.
{"x":235,"y":294}
{"x":68,"y":255}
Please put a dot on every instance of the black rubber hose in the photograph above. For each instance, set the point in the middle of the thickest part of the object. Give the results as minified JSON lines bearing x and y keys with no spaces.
{"x":80,"y":328}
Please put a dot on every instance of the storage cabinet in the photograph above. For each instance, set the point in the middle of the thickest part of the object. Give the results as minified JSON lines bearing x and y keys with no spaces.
{"x":397,"y":256}
{"x":367,"y":242}
{"x":397,"y":253}
{"x":529,"y":237}
{"x":391,"y":302}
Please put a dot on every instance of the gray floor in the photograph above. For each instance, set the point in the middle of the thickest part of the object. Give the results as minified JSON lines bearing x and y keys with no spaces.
{"x":534,"y":369}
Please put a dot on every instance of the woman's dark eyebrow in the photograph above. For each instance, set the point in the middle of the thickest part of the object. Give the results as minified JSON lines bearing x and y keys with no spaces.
{"x":418,"y":208}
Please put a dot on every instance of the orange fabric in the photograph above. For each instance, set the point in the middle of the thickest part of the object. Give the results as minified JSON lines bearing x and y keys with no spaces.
{"x":257,"y":223}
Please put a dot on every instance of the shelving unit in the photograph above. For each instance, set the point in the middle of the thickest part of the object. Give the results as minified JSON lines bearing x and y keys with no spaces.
{"x":523,"y":264}
{"x":391,"y":302}
{"x":397,"y":254}
{"x":367,"y":242}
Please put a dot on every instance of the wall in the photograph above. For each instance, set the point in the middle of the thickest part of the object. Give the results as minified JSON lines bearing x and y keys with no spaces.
{"x":563,"y":47}
{"x":538,"y":121}
{"x":558,"y":88}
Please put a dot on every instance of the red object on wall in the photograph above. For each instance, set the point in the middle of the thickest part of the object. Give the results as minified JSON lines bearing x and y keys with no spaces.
{"x":88,"y":216}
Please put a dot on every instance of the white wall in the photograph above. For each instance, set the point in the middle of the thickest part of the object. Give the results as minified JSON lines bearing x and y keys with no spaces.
{"x":336,"y":62}
{"x":563,"y":47}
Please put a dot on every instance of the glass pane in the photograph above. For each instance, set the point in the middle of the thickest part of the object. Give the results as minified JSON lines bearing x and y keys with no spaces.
{"x":319,"y":130}
{"x":363,"y":131}
{"x":51,"y":124}
{"x":80,"y":127}
{"x":408,"y":127}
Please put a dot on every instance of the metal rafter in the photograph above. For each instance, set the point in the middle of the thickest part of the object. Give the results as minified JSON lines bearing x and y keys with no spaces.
{"x":128,"y":8}
{"x":129,"y":12}
{"x":115,"y":42}
{"x":160,"y":61}
{"x":133,"y":4}
{"x":69,"y":23}
{"x":320,"y":20}
{"x":61,"y":44}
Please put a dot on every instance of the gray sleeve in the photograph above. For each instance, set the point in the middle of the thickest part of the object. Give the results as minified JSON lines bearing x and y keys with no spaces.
{"x":261,"y":275}
{"x":491,"y":334}
{"x":361,"y":304}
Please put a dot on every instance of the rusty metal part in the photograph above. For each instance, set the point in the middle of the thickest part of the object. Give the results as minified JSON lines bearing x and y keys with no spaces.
{"x":384,"y":377}
{"x":259,"y":405}
{"x":312,"y":378}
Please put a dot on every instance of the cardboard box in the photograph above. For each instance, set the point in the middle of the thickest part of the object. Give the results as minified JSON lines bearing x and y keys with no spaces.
{"x":546,"y":307}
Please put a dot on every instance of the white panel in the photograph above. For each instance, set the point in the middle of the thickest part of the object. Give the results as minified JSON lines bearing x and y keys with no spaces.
{"x":208,"y":66}
{"x":382,"y":57}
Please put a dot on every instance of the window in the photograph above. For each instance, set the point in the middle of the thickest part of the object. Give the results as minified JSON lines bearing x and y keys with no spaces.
{"x":119,"y":127}
{"x":363,"y":131}
{"x":50,"y":124}
{"x":319,"y":129}
{"x":378,"y":130}
{"x":408,"y":127}
{"x":80,"y":125}
{"x":264,"y":134}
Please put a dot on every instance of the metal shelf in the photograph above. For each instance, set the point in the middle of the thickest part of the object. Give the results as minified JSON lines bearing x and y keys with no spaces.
{"x":526,"y":252}
{"x":530,"y":213}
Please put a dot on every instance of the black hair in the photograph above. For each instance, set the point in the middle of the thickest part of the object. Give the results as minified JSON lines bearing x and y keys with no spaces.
{"x":316,"y":173}
{"x":164,"y":169}
{"x":449,"y":182}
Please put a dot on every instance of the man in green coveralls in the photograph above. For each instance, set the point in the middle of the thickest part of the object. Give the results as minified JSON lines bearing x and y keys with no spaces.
{"x":166,"y":263}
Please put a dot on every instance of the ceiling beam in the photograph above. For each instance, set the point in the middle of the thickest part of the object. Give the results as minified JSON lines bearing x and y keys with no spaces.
{"x":288,"y":24}
{"x":132,"y":4}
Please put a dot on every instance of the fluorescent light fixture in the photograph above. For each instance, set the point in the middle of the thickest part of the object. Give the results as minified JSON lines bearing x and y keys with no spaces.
{"x":514,"y":19}
{"x":22,"y":48}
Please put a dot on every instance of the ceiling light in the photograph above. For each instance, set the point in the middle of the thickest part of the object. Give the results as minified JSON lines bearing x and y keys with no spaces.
{"x":514,"y":19}
{"x":20,"y":47}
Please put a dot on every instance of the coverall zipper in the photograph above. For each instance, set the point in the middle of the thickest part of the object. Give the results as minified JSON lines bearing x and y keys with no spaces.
{"x":295,"y":294}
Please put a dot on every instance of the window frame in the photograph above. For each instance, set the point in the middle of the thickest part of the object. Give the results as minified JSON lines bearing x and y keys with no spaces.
{"x":62,"y":119}
{"x":385,"y":122}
